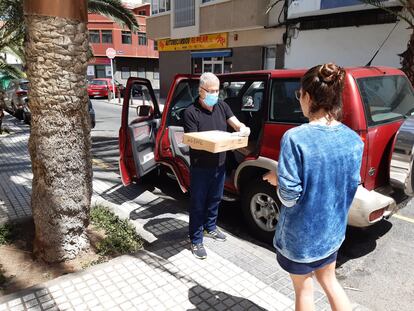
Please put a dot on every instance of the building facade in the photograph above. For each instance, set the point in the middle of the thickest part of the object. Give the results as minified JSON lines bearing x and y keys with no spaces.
{"x":220,"y":36}
{"x":137,"y":56}
{"x":343,"y":31}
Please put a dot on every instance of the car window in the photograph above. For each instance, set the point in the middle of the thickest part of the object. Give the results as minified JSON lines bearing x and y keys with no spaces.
{"x":284,"y":106}
{"x":386,"y":98}
{"x":184,"y":95}
{"x":98,"y":82}
{"x":24,"y":86}
{"x":140,"y":96}
{"x":253,"y":97}
{"x":231,"y":89}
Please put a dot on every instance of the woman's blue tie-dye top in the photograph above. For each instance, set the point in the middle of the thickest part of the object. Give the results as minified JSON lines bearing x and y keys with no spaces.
{"x":318,"y":175}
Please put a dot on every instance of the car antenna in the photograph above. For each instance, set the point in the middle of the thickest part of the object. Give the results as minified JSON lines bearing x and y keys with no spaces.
{"x":379,"y":49}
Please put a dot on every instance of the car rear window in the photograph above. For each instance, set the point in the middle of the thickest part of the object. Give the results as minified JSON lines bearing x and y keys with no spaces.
{"x":386,"y":98}
{"x":285,"y":108}
{"x":97,"y":82}
{"x":24,"y":86}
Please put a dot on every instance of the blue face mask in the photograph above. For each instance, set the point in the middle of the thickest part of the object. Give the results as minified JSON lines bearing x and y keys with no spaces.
{"x":211,"y":99}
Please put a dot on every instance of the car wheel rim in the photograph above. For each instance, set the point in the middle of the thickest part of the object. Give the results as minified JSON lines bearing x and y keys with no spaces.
{"x":264,"y":211}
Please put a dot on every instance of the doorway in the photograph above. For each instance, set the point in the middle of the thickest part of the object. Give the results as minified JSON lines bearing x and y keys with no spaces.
{"x":213,"y":64}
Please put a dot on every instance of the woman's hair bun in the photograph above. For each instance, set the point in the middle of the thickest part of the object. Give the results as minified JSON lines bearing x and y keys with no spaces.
{"x":331,"y":73}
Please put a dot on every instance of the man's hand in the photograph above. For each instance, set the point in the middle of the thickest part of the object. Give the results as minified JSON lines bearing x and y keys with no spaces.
{"x":271,"y":178}
{"x":244,"y":131}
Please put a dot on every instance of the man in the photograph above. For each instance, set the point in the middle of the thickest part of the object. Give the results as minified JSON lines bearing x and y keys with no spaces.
{"x":207,"y":171}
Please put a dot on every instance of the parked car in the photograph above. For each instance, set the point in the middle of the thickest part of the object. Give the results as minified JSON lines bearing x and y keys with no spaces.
{"x":15,"y":96}
{"x":101,"y":87}
{"x":27,"y":115}
{"x":91,"y":113}
{"x":378,"y":104}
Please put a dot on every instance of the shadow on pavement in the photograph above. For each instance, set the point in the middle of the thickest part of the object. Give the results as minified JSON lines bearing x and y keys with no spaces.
{"x":361,"y":241}
{"x":207,"y":299}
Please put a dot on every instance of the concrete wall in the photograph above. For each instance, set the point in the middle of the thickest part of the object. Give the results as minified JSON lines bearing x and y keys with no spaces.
{"x":214,"y":17}
{"x":348,"y":46}
{"x":158,"y":26}
{"x":247,"y":58}
{"x":230,"y":15}
{"x":256,"y":37}
{"x":172,"y":63}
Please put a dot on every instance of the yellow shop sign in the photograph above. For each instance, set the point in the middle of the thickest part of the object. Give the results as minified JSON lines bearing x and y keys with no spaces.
{"x":203,"y":42}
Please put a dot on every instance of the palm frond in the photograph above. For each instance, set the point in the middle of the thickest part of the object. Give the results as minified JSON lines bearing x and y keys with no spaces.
{"x":11,"y":14}
{"x":407,"y":14}
{"x":114,"y":9}
{"x":10,"y":70}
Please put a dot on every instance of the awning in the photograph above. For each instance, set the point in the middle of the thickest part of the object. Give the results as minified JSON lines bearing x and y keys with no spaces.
{"x":219,"y":53}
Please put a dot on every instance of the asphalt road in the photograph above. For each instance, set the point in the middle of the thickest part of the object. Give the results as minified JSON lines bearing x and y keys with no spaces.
{"x":375,"y":264}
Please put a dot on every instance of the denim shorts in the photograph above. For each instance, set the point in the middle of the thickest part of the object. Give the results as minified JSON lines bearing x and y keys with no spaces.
{"x":302,"y":268}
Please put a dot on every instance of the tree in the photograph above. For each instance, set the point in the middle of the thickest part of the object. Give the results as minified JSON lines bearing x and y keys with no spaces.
{"x":407,"y":14}
{"x":59,"y":144}
{"x":12,"y":27}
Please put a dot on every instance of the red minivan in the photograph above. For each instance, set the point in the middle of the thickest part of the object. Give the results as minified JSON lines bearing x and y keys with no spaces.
{"x":378,"y":104}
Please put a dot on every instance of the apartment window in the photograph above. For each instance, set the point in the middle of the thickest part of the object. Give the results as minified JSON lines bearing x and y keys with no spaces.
{"x":94,"y":36}
{"x":125,"y":73}
{"x":184,"y":13}
{"x":160,"y":6}
{"x":205,"y":1}
{"x":126,"y":37}
{"x":106,"y":36}
{"x":142,"y":13}
{"x":142,"y":38}
{"x":155,"y":45}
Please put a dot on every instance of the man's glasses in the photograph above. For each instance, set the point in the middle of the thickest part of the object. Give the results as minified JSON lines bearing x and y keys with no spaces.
{"x":210,"y":91}
{"x":298,"y":94}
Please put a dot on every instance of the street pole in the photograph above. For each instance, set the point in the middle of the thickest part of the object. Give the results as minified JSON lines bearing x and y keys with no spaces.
{"x":112,"y":73}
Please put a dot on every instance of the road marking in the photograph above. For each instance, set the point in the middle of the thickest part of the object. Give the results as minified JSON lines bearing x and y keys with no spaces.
{"x":403,"y":218}
{"x":100,"y":163}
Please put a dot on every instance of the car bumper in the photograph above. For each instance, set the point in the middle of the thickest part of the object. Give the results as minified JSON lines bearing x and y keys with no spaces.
{"x":369,"y":207}
{"x":97,"y":93}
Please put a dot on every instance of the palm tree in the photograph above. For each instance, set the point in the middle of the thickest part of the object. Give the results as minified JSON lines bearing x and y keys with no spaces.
{"x":12,"y":26}
{"x":59,"y":144}
{"x":407,"y":14}
{"x":56,"y":53}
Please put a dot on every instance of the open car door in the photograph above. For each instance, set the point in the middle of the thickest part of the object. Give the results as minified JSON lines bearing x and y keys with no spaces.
{"x":140,"y":120}
{"x":170,"y":149}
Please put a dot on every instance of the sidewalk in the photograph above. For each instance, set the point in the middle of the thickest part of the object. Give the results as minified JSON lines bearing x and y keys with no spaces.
{"x":237,"y":275}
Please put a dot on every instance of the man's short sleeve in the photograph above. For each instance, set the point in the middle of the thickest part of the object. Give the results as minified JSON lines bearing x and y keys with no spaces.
{"x":289,"y":172}
{"x":227,"y":110}
{"x":190,"y":122}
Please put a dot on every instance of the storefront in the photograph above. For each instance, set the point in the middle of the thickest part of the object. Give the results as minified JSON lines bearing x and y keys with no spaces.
{"x":205,"y":53}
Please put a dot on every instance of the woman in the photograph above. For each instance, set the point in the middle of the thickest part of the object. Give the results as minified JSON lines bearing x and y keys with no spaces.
{"x":318,"y":175}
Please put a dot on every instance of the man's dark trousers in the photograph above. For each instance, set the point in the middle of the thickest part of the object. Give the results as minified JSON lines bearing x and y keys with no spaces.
{"x":206,"y":188}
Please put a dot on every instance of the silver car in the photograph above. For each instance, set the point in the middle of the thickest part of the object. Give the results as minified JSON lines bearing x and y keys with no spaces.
{"x":15,"y":97}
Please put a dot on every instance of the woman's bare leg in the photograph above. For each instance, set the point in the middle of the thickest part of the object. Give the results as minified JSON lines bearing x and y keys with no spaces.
{"x":336,"y":295}
{"x":303,"y":285}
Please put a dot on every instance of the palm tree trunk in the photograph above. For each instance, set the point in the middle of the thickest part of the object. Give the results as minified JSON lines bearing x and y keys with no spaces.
{"x":59,"y":144}
{"x":407,"y":60}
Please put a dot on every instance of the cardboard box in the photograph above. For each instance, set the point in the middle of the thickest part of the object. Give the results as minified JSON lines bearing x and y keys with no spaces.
{"x":214,"y":141}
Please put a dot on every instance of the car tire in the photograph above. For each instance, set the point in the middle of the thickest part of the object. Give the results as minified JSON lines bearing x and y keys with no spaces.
{"x":17,"y":113}
{"x":26,"y":119}
{"x":261,"y":209}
